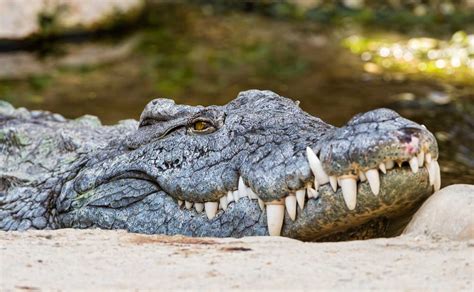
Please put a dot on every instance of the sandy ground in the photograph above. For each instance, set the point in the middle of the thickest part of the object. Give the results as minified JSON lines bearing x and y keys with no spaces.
{"x":111,"y":260}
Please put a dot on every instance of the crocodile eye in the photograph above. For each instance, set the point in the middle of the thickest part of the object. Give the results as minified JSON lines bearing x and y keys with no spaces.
{"x":200,"y":126}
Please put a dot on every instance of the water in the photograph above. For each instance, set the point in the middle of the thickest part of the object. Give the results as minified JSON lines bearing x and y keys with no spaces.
{"x":196,"y":57}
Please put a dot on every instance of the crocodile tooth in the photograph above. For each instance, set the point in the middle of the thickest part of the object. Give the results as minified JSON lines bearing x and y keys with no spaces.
{"x":349,"y":191}
{"x":188,"y":205}
{"x":261,"y":204}
{"x":275,"y":215}
{"x":428,"y":158}
{"x":251,"y":194}
{"x":312,"y":193}
{"x":211,"y":209}
{"x":199,"y":207}
{"x":180,"y":203}
{"x":316,"y":167}
{"x":290,"y":204}
{"x":382,"y":167}
{"x":236,"y":195}
{"x":316,"y":184}
{"x":421,"y":158}
{"x":399,"y":163}
{"x":389,"y":164}
{"x":374,"y":180}
{"x":300,"y":197}
{"x":230,"y":197}
{"x":333,"y":182}
{"x":223,"y":203}
{"x":437,"y":172}
{"x":242,"y":188}
{"x":431,"y":172}
{"x":362,"y":176}
{"x":413,"y":164}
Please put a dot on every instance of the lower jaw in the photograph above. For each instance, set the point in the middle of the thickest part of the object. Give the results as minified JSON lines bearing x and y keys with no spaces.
{"x":401,"y":193}
{"x":324,"y":217}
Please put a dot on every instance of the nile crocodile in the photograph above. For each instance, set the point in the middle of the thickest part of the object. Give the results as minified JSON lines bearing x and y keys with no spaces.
{"x":258,"y":165}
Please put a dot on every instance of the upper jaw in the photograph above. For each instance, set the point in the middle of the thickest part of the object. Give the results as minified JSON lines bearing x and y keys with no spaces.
{"x":404,"y":154}
{"x":362,"y":193}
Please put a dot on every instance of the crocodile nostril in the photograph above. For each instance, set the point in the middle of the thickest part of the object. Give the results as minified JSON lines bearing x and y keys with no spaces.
{"x":410,"y":138}
{"x":407,"y":134}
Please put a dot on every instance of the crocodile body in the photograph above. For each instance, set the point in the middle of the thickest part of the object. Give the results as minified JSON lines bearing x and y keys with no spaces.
{"x":258,"y":165}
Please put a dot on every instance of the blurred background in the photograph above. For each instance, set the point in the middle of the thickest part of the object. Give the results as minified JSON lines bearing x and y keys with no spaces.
{"x":109,"y":58}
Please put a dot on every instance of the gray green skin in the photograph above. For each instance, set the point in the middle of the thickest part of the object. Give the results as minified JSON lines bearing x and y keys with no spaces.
{"x":58,"y":173}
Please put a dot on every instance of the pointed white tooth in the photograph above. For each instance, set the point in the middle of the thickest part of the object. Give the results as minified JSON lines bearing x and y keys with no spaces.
{"x":242,"y":188}
{"x":437,"y":172}
{"x":431,"y":172}
{"x":261,"y":204}
{"x":290,"y":204}
{"x":211,"y":209}
{"x":180,"y":203}
{"x":382,"y":167}
{"x":316,"y":184}
{"x":349,"y":191}
{"x":399,"y":163}
{"x":414,"y":164}
{"x":333,"y":182}
{"x":300,"y":197}
{"x":421,"y":158}
{"x":389,"y":164}
{"x":316,"y":167}
{"x":374,"y":180}
{"x":312,"y":193}
{"x":230,"y":197}
{"x":188,"y":205}
{"x":362,"y":176}
{"x":223,"y":203}
{"x":428,"y":157}
{"x":236,"y":195}
{"x":275,"y":215}
{"x":251,"y":194}
{"x":199,"y":207}
{"x":424,"y":127}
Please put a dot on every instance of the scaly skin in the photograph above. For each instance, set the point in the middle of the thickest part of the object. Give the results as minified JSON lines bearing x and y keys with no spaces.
{"x":57,"y":173}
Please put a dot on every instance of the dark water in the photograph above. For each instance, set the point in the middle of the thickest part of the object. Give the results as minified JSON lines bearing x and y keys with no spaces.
{"x":196,"y":57}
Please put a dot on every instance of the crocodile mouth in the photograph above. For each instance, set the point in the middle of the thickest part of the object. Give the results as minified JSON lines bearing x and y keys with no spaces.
{"x":363,"y":193}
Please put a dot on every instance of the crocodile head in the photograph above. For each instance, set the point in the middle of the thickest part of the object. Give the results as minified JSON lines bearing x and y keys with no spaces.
{"x":259,"y":165}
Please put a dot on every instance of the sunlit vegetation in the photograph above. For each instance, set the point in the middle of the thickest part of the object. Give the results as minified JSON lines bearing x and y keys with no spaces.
{"x":451,"y":60}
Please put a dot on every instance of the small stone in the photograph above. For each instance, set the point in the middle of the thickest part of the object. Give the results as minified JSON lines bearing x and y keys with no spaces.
{"x":448,"y":213}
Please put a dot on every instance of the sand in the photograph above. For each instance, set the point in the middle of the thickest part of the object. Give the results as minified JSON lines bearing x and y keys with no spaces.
{"x":110,"y":260}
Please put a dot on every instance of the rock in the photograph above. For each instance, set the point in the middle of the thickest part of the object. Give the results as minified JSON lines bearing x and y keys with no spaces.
{"x":21,"y":19}
{"x":448,"y":213}
{"x":20,"y":65}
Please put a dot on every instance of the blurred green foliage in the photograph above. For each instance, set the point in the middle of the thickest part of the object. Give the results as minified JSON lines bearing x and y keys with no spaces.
{"x":182,"y":56}
{"x":433,"y":16}
{"x":451,"y":60}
